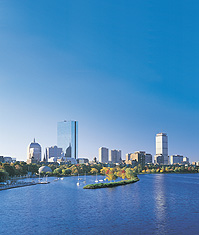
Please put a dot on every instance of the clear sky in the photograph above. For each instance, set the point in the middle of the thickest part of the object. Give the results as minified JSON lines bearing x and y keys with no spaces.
{"x":125,"y":70}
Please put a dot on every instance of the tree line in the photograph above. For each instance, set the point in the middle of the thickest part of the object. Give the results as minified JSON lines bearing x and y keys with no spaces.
{"x":16,"y":169}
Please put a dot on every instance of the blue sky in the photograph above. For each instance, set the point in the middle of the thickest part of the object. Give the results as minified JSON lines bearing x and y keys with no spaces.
{"x":125,"y":70}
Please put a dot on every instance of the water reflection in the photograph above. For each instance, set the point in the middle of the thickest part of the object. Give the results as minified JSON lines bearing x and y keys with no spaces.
{"x":160,"y":203}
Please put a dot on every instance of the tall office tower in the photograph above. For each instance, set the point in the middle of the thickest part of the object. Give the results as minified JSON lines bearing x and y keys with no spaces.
{"x":53,"y":153}
{"x":67,"y":138}
{"x":103,"y":154}
{"x":161,"y":149}
{"x":115,"y":156}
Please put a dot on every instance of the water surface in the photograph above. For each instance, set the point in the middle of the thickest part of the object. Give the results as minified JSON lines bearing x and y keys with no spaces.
{"x":157,"y":204}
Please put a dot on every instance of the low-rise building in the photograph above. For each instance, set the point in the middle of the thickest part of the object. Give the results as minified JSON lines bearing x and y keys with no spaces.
{"x":148,"y":158}
{"x":53,"y":153}
{"x":136,"y":158}
{"x":7,"y":159}
{"x":159,"y":159}
{"x":82,"y":160}
{"x":139,"y":157}
{"x":176,"y":159}
{"x":185,"y":160}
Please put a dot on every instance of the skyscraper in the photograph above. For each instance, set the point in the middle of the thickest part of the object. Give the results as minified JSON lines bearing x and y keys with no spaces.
{"x":67,"y":138}
{"x":34,"y":152}
{"x":115,"y":156}
{"x":103,"y":154}
{"x":161,"y":156}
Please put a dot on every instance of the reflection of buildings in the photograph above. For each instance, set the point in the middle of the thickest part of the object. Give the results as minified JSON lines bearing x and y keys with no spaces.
{"x":115,"y":156}
{"x":67,"y":138}
{"x":161,"y":210}
{"x":53,"y":153}
{"x":103,"y":155}
{"x":34,"y":152}
{"x":161,"y":156}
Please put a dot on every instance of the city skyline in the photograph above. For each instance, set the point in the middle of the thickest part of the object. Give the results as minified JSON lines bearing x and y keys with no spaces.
{"x":125,"y":70}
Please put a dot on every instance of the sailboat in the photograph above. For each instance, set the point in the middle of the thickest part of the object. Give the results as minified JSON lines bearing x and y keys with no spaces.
{"x":96,"y":181}
{"x":78,"y":183}
{"x":85,"y":178}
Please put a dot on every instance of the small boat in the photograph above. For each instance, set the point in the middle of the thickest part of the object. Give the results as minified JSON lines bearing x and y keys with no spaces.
{"x":62,"y":178}
{"x":96,"y":181}
{"x":101,"y":180}
{"x":78,"y":183}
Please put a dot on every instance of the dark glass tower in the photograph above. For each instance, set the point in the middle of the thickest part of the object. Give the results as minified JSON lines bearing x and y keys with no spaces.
{"x":67,"y":138}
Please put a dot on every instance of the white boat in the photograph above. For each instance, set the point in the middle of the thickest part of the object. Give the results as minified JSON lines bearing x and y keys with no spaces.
{"x":101,"y":180}
{"x":96,"y":181}
{"x":62,"y":178}
{"x":78,"y":183}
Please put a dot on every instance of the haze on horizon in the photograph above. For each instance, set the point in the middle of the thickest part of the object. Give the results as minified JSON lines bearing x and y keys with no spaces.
{"x":125,"y":70}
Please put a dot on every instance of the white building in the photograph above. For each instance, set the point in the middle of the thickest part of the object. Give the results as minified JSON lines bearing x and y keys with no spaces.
{"x":103,"y":155}
{"x":53,"y":153}
{"x":185,"y":160}
{"x":161,"y":156}
{"x":34,"y":152}
{"x":115,"y":156}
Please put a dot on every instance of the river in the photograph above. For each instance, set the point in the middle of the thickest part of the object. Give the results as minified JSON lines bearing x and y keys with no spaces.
{"x":157,"y":204}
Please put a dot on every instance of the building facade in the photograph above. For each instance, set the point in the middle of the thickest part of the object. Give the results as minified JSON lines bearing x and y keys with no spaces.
{"x":67,"y":138}
{"x":34,"y":152}
{"x":82,"y":160}
{"x":138,"y":158}
{"x":159,"y":159}
{"x":162,"y":148}
{"x":128,"y":157}
{"x":115,"y":156}
{"x":148,"y":158}
{"x":1,"y":159}
{"x":176,"y":159}
{"x":53,"y":153}
{"x":103,"y":155}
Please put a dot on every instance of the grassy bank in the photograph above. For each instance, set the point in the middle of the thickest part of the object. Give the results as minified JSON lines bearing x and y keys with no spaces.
{"x":110,"y":185}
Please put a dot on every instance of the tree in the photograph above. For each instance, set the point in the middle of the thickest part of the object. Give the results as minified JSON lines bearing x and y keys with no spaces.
{"x":66,"y":171}
{"x":93,"y":171}
{"x":110,"y":175}
{"x":3,"y":175}
{"x":57,"y":171}
{"x":129,"y":173}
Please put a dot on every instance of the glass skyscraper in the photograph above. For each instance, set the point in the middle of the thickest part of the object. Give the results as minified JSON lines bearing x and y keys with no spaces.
{"x":67,"y":138}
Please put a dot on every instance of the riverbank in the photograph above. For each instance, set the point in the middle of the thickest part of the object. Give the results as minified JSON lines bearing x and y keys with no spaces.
{"x":112,"y":184}
{"x":11,"y":186}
